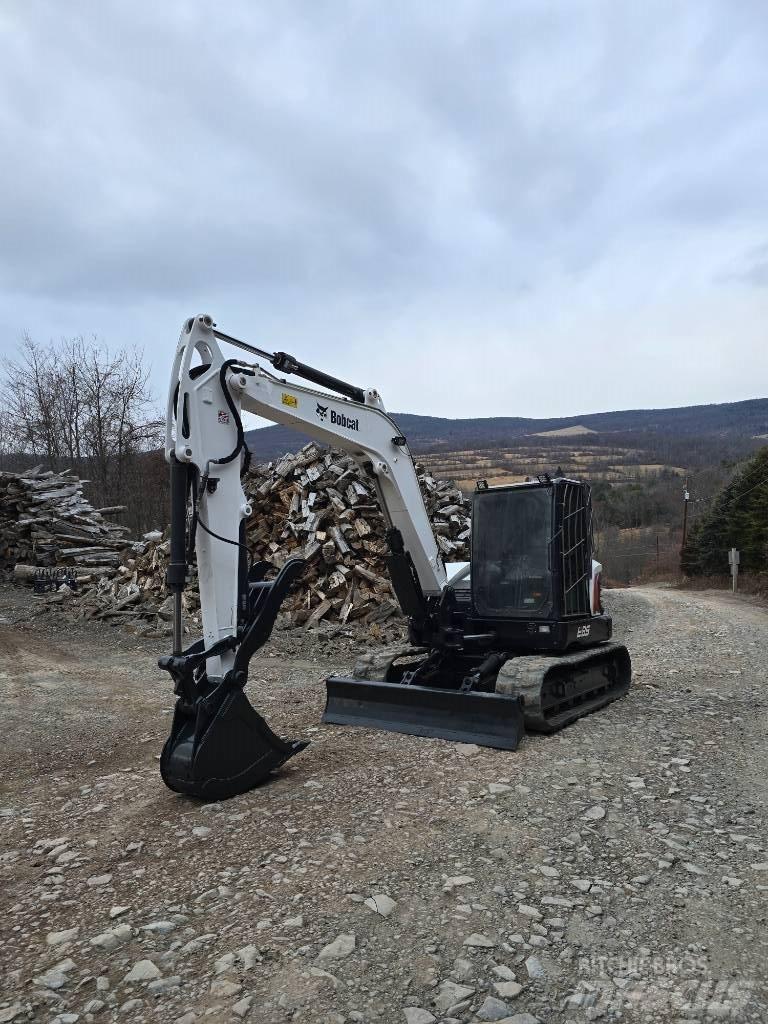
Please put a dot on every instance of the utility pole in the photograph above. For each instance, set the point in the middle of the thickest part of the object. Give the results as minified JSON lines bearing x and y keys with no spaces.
{"x":686,"y":499}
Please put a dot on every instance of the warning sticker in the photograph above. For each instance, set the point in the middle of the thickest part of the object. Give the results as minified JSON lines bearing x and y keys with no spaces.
{"x":291,"y":400}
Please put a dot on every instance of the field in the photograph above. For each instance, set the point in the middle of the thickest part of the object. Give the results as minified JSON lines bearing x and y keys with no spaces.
{"x":529,"y":457}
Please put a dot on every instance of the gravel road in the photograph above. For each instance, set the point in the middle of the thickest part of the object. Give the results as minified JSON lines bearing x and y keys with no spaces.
{"x":618,"y":870}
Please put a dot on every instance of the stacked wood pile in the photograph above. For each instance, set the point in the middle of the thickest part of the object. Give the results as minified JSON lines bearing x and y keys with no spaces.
{"x":136,"y":596}
{"x":316,"y":504}
{"x":45,"y":520}
{"x":322,"y":506}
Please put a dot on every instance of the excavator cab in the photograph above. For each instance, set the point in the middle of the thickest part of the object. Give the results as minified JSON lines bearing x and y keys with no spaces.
{"x":533,"y":578}
{"x":511,"y":552}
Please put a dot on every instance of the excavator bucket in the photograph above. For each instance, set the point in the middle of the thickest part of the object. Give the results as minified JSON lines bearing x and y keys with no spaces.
{"x":221,"y":747}
{"x":487,"y":719}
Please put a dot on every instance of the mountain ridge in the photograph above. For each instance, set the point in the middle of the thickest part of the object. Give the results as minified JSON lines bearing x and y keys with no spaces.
{"x":738,"y":421}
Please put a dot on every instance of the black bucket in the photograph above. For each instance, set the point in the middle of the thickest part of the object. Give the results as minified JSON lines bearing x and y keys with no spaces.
{"x":222,"y":747}
{"x":487,"y":719}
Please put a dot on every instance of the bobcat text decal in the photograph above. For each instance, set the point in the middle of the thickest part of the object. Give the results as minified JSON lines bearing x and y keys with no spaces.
{"x":338,"y":419}
{"x":344,"y":421}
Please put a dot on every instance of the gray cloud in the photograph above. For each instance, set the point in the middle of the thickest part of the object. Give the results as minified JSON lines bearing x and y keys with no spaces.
{"x":752,"y":268}
{"x":390,"y":188}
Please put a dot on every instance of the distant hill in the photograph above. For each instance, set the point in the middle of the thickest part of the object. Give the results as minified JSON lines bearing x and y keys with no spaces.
{"x":736,"y":424}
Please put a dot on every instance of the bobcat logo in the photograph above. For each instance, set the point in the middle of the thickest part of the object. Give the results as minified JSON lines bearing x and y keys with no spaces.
{"x":322,"y":411}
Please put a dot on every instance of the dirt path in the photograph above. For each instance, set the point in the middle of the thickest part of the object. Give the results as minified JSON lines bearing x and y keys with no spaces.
{"x":618,"y":870}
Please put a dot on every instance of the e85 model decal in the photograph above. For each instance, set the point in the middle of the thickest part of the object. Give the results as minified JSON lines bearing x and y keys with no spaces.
{"x":582,"y":632}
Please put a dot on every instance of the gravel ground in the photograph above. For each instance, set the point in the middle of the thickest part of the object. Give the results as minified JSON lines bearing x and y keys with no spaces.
{"x":617,"y":870}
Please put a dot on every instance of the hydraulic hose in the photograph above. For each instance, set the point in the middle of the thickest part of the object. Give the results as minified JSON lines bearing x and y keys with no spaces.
{"x":176,"y":574}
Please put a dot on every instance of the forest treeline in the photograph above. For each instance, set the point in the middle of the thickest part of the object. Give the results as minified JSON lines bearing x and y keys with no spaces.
{"x":736,"y":518}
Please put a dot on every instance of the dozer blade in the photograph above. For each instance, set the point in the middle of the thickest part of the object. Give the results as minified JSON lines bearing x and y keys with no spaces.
{"x":487,"y":719}
{"x":221,"y":747}
{"x":557,"y":690}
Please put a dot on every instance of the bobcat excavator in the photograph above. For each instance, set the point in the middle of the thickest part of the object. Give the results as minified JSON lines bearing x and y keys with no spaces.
{"x":515,"y":640}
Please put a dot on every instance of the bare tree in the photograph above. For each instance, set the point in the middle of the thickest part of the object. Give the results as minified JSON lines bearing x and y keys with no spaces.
{"x":8,"y":442}
{"x":76,"y":405}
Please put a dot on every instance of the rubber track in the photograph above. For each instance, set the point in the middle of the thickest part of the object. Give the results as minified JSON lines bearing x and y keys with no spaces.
{"x":526,"y":676}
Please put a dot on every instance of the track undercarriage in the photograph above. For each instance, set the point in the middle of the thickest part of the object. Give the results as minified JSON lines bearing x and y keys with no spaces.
{"x":491,"y":701}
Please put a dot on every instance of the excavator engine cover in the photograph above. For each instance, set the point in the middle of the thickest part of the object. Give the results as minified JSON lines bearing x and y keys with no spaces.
{"x":221,"y":746}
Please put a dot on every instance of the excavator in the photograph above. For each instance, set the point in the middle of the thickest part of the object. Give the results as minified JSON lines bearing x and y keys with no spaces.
{"x":515,"y":640}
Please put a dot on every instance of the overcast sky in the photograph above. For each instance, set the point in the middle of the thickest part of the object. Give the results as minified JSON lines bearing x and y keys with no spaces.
{"x":481,"y":208}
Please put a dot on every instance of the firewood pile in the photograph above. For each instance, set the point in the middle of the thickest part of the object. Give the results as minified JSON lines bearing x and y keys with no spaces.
{"x":45,"y":520}
{"x":322,"y":506}
{"x":316,"y":504}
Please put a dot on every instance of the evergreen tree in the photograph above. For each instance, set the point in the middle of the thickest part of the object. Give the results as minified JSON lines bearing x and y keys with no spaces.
{"x":738,"y":518}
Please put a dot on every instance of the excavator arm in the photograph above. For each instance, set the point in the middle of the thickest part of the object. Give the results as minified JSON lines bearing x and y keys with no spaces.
{"x":206,"y":449}
{"x":204,"y":436}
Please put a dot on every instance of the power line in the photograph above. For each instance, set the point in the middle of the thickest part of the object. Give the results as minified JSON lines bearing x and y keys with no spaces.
{"x":754,"y":487}
{"x":712,"y":518}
